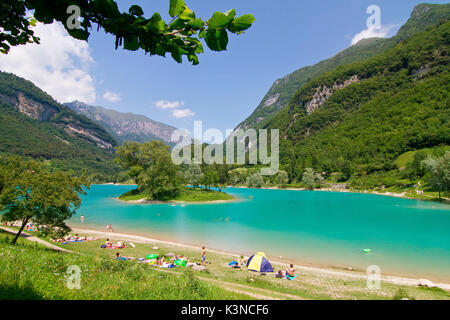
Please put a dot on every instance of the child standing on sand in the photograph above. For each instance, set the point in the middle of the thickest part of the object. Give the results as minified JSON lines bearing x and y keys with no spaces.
{"x":203,"y":256}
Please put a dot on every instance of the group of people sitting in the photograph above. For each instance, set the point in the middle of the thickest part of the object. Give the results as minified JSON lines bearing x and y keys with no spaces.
{"x":242,"y":262}
{"x":287,"y":273}
{"x":110,"y":245}
{"x":75,"y":238}
{"x":30,"y":226}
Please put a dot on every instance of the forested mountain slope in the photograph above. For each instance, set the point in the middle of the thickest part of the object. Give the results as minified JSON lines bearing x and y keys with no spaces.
{"x":33,"y":124}
{"x":283,"y":89}
{"x":359,"y":118}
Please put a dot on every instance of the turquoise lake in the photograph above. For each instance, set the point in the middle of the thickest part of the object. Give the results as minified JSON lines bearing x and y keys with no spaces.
{"x":407,"y":237}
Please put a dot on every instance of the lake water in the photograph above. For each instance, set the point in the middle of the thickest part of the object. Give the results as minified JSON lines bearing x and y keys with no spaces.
{"x":407,"y":237}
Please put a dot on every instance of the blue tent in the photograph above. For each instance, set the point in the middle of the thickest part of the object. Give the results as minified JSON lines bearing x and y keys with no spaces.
{"x":259,"y":263}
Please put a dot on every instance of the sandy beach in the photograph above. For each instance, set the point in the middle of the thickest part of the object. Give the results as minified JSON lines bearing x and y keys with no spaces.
{"x":319,"y":271}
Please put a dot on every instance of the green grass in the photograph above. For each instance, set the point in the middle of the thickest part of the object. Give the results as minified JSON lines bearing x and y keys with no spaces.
{"x":185,"y":195}
{"x":29,"y":271}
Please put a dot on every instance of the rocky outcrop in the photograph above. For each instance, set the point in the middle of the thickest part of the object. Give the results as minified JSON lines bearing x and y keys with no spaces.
{"x":67,"y":121}
{"x":29,"y":107}
{"x":125,"y":126}
{"x":323,"y":93}
{"x":271,"y":100}
{"x":75,"y":130}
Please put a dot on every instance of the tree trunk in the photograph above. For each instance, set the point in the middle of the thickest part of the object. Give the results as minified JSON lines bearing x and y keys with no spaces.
{"x":24,"y":223}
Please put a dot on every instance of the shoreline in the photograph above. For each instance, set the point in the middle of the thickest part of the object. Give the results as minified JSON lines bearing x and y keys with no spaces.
{"x":328,"y":270}
{"x":386,"y":194}
{"x":175,"y":202}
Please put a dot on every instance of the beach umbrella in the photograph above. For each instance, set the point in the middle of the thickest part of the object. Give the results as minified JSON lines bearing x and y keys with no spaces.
{"x":259,"y":263}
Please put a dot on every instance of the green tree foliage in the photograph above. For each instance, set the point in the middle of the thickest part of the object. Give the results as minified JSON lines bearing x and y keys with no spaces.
{"x":415,"y":169}
{"x":256,"y":180}
{"x":194,"y":175}
{"x":424,"y":16}
{"x":311,"y":179}
{"x":399,"y":103}
{"x":210,"y":177}
{"x":31,"y":192}
{"x":281,"y":178}
{"x":438,"y":173}
{"x":151,"y":167}
{"x":47,"y":138}
{"x":179,"y":37}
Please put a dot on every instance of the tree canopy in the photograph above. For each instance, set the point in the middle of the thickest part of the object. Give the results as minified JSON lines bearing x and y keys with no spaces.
{"x":438,"y":172}
{"x":30,"y":192}
{"x":151,"y":167}
{"x":133,"y":31}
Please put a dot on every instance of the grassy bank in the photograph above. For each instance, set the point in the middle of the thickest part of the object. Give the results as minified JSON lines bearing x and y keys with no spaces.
{"x":34,"y":272}
{"x":185,"y":195}
{"x":30,"y":271}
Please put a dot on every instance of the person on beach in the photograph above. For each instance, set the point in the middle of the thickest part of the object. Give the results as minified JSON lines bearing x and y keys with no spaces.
{"x":109,"y":228}
{"x":240,"y":263}
{"x":119,"y":257}
{"x":160,"y":261}
{"x":291,"y":271}
{"x":120,"y":244}
{"x":82,"y":218}
{"x":108,"y":243}
{"x":203,"y":256}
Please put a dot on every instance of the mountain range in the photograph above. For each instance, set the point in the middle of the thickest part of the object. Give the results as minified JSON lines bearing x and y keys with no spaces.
{"x":283,"y":89}
{"x":124,"y":126}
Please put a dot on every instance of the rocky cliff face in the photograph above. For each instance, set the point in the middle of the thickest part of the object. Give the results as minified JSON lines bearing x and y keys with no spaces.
{"x":125,"y":126}
{"x":35,"y":104}
{"x":323,"y":93}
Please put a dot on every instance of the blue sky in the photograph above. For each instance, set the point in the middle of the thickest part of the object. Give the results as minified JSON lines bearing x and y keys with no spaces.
{"x":226,"y":87}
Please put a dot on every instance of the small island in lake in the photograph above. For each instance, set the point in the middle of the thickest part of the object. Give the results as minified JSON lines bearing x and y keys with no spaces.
{"x":184,"y":195}
{"x":159,"y":180}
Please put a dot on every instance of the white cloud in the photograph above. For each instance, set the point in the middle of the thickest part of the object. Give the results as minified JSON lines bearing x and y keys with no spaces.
{"x":111,"y":96}
{"x":182,"y":113}
{"x":59,"y":64}
{"x":164,"y":104}
{"x":372,"y":32}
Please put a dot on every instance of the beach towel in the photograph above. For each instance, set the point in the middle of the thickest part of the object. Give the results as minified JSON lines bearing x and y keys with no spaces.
{"x":290,"y":278}
{"x":233,"y":263}
{"x":132,"y":245}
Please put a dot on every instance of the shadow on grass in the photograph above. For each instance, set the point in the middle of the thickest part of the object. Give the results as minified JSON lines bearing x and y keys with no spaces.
{"x":15,"y":292}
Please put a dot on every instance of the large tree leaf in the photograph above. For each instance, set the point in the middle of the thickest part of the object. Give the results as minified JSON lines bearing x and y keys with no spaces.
{"x":155,"y":23}
{"x":176,"y":7}
{"x":187,"y":14}
{"x":196,"y":24}
{"x":79,"y":34}
{"x":136,"y":10}
{"x":131,"y":43}
{"x":217,"y":39}
{"x":242,"y":23}
{"x":219,"y":20}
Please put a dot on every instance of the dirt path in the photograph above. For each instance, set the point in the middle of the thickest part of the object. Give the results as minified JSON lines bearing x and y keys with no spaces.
{"x":256,"y":293}
{"x":35,"y":239}
{"x":263,"y":294}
